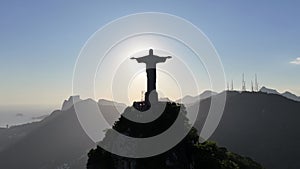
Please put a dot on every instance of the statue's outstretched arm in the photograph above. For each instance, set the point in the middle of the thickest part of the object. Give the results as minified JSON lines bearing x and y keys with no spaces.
{"x":139,"y":60}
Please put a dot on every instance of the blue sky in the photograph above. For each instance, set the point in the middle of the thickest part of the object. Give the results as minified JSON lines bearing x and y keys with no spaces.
{"x":40,"y":41}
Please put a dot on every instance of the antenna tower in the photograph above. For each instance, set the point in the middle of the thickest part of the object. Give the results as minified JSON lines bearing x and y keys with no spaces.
{"x":243,"y":83}
{"x":256,"y":83}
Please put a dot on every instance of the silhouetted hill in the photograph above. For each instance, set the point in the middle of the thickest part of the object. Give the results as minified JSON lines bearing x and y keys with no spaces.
{"x":187,"y":154}
{"x":268,"y":90}
{"x":67,"y":104}
{"x":57,"y":141}
{"x":291,"y":96}
{"x":188,"y":100}
{"x":51,"y":143}
{"x":260,"y":125}
{"x":286,"y":94}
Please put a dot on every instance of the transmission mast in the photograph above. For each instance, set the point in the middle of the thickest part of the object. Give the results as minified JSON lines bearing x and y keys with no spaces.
{"x":243,"y":83}
{"x":252,"y":87}
{"x":232,"y":85}
{"x":256,"y":83}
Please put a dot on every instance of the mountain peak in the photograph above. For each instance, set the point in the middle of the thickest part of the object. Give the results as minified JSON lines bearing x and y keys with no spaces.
{"x":104,"y":102}
{"x":268,"y":90}
{"x":291,"y":96}
{"x":286,"y":94}
{"x":70,"y":102}
{"x":188,"y":99}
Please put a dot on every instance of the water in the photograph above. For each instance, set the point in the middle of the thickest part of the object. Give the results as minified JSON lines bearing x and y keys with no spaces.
{"x":21,"y":114}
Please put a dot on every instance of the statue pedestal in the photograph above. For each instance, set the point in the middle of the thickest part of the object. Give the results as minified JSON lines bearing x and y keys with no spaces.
{"x":151,"y":97}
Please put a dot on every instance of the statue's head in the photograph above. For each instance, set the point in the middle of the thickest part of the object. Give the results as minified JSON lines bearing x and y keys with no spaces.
{"x":151,"y":52}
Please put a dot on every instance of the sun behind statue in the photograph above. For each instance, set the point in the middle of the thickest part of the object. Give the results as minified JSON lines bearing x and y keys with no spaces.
{"x":151,"y":95}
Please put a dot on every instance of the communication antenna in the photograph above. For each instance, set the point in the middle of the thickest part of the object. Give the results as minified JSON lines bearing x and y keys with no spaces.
{"x":243,"y":83}
{"x":256,"y":83}
{"x":232,"y":85}
{"x":252,"y":87}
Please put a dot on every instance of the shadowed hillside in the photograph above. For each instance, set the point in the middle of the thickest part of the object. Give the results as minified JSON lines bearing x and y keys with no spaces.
{"x":262,"y":126}
{"x":58,"y":141}
{"x":187,"y":154}
{"x":54,"y":142}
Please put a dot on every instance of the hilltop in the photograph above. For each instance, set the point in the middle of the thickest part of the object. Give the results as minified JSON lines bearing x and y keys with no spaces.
{"x":262,"y":126}
{"x":189,"y":153}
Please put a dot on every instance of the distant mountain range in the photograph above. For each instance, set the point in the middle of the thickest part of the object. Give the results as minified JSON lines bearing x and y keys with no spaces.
{"x":56,"y":142}
{"x":188,"y":100}
{"x":286,"y":94}
{"x":262,"y":126}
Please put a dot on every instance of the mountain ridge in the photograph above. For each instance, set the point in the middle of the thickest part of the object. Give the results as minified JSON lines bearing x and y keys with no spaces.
{"x":247,"y":115}
{"x":286,"y":94}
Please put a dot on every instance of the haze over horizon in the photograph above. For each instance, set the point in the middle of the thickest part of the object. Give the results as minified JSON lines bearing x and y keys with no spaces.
{"x":40,"y":42}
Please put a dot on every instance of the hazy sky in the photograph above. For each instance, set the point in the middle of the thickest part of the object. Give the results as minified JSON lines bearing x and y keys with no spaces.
{"x":40,"y":41}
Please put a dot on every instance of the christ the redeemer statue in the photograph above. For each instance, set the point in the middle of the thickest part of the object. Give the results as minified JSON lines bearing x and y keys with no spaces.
{"x":151,"y":61}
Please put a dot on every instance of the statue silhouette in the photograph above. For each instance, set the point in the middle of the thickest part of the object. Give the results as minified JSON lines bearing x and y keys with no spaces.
{"x":151,"y":60}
